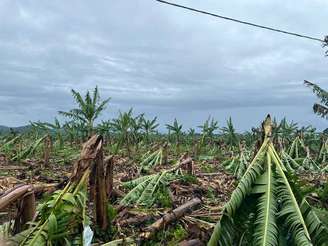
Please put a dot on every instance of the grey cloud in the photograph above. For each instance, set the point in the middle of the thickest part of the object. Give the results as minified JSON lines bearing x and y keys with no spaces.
{"x":163,"y":60}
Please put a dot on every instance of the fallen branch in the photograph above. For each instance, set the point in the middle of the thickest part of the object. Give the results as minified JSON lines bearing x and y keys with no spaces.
{"x":186,"y":161}
{"x":157,"y":225}
{"x":170,"y":217}
{"x":18,"y":192}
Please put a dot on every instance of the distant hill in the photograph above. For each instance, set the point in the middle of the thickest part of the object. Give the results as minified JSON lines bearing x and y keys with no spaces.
{"x":3,"y":128}
{"x":19,"y":129}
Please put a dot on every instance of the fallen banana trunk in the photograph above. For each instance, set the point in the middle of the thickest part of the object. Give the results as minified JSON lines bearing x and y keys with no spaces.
{"x":18,"y":192}
{"x":149,"y":231}
{"x":25,"y":195}
{"x":186,"y":163}
{"x":170,"y":217}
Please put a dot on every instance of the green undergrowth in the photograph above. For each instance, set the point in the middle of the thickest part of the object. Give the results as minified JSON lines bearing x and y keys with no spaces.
{"x":170,"y":236}
{"x":207,"y":167}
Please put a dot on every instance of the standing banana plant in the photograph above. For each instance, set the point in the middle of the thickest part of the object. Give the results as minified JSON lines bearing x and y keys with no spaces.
{"x":229,"y":134}
{"x":136,"y":127}
{"x":104,"y":129}
{"x":149,"y":127}
{"x":88,"y":109}
{"x":192,"y":140}
{"x":122,"y":127}
{"x":208,"y":129}
{"x":72,"y":131}
{"x":176,"y":130}
{"x":264,"y":210}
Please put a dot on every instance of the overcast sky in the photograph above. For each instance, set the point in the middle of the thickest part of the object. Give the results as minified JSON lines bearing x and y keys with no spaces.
{"x":161,"y":60}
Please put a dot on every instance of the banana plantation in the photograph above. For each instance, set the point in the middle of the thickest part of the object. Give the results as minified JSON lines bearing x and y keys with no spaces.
{"x":129,"y":181}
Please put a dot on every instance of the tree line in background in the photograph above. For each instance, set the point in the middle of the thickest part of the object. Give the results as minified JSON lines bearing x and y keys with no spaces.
{"x":129,"y":130}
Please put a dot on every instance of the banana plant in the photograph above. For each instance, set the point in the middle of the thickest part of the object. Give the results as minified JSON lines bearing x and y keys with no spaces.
{"x":192,"y":140}
{"x":122,"y":127}
{"x":73,"y":131}
{"x":285,"y":130}
{"x":29,"y":150}
{"x":192,"y":134}
{"x":136,"y":127}
{"x":248,"y":138}
{"x":310,"y":137}
{"x":290,"y":164}
{"x":176,"y":130}
{"x":149,"y":127}
{"x":297,"y":148}
{"x":323,"y":152}
{"x":207,"y":130}
{"x":150,"y":160}
{"x":264,"y":210}
{"x":9,"y":144}
{"x":309,"y":163}
{"x":144,"y":190}
{"x":55,"y":127}
{"x":104,"y":129}
{"x":61,"y":220}
{"x":321,"y":108}
{"x":88,"y":110}
{"x":237,"y":165}
{"x":229,"y":134}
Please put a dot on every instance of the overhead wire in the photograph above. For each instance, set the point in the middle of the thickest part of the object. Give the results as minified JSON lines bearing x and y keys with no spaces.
{"x":241,"y":21}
